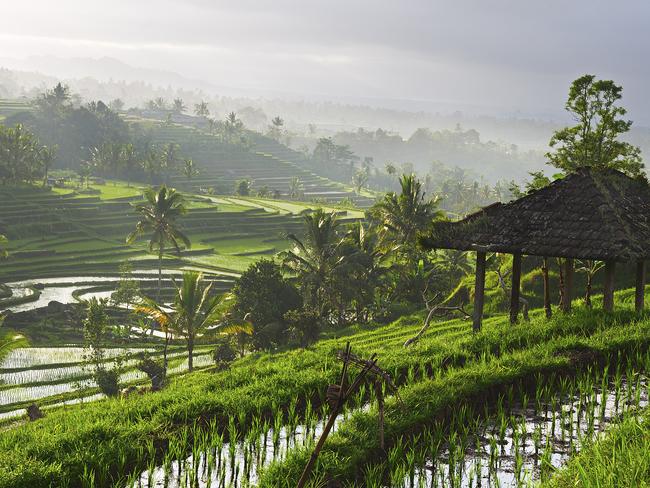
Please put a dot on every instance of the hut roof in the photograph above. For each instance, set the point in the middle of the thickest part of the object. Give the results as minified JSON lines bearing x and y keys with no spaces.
{"x":589,"y":214}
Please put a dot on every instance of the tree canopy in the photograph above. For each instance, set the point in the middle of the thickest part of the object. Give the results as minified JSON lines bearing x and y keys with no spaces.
{"x":595,"y":139}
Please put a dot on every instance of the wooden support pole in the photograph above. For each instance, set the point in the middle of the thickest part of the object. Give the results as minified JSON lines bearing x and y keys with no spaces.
{"x":479,"y":290}
{"x":568,"y":285}
{"x":547,"y":289}
{"x":379,"y":391}
{"x":639,"y":295}
{"x":608,"y":287}
{"x":516,"y":287}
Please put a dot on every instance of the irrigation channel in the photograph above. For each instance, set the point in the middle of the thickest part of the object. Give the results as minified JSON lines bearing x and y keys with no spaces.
{"x":513,"y":442}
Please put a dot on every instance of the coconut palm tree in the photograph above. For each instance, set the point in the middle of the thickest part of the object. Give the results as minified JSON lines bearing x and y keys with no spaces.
{"x":201,"y":109}
{"x":47,"y":155}
{"x":169,"y":155}
{"x":158,"y":215}
{"x":404,"y":216}
{"x":315,"y":258}
{"x":194,"y":312}
{"x":179,"y":106}
{"x":188,"y":169}
{"x":296,"y":188}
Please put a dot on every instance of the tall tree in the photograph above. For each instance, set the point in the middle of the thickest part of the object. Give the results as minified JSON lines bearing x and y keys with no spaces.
{"x":179,"y":106}
{"x":170,"y":155}
{"x":315,"y":258}
{"x":594,"y":141}
{"x":201,"y":109}
{"x":275,"y":129}
{"x":158,"y":218}
{"x":403,"y":216}
{"x":47,"y":156}
{"x":296,"y":188}
{"x":233,"y":127}
{"x":188,"y":169}
{"x":194,"y":310}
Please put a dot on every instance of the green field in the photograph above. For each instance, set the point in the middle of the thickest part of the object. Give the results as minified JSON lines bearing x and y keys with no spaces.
{"x":266,"y":163}
{"x":450,"y":367}
{"x":49,"y":230}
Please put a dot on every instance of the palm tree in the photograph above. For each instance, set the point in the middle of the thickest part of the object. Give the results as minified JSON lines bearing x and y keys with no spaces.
{"x":406,"y":215}
{"x":160,"y":103}
{"x":193,"y":312}
{"x":158,"y":215}
{"x":128,"y":161}
{"x":179,"y":106}
{"x":188,"y":169}
{"x":47,"y":155}
{"x":201,"y":109}
{"x":296,"y":188}
{"x":152,"y":163}
{"x":315,"y":258}
{"x":170,"y":155}
{"x":275,"y":129}
{"x":232,"y":127}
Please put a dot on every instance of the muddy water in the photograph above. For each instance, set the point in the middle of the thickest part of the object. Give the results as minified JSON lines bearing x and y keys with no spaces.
{"x":524,"y":445}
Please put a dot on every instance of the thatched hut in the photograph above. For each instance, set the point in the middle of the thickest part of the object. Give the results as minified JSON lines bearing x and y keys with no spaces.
{"x":589,"y":214}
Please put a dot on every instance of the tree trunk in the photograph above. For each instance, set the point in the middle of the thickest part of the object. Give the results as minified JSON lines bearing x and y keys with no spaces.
{"x":547,"y":289}
{"x":590,"y":279}
{"x":639,"y":295}
{"x":568,"y":284}
{"x":190,"y":352}
{"x":380,"y":406}
{"x":516,"y":288}
{"x":160,"y":257}
{"x":167,"y":338}
{"x":561,"y":282}
{"x":479,"y":290}
{"x":608,"y":288}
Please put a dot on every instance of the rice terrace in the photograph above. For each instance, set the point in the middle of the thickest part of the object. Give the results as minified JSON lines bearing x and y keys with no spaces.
{"x":324,"y":245}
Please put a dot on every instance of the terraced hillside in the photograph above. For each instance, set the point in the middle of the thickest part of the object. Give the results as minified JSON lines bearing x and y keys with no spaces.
{"x":266,"y":164}
{"x":255,"y":424}
{"x":10,"y":107}
{"x":64,"y":234}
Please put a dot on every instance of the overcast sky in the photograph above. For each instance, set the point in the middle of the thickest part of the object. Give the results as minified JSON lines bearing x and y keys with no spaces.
{"x":502,"y":54}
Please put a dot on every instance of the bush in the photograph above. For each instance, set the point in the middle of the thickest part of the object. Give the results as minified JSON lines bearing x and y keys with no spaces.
{"x":304,"y":326}
{"x":154,"y":370}
{"x":262,"y":296}
{"x":223,"y":355}
{"x":108,"y":381}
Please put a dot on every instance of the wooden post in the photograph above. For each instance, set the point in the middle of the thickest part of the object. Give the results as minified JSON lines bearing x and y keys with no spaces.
{"x":479,"y":290}
{"x":380,"y":407}
{"x":608,"y":287}
{"x":547,"y":289}
{"x":516,"y":286}
{"x":639,"y":295}
{"x":568,"y":285}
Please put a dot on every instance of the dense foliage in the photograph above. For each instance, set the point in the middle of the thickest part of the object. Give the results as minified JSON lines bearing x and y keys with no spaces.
{"x":594,"y":140}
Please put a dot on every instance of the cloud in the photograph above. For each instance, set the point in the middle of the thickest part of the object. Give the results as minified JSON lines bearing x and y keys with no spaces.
{"x":501,"y":52}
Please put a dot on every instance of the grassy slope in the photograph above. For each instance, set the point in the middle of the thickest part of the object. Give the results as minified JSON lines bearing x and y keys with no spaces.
{"x":109,"y":436}
{"x":621,"y":458}
{"x":540,"y":350}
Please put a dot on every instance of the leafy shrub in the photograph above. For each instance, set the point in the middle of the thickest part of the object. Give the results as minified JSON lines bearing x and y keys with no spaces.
{"x":108,"y":381}
{"x":223,"y":355}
